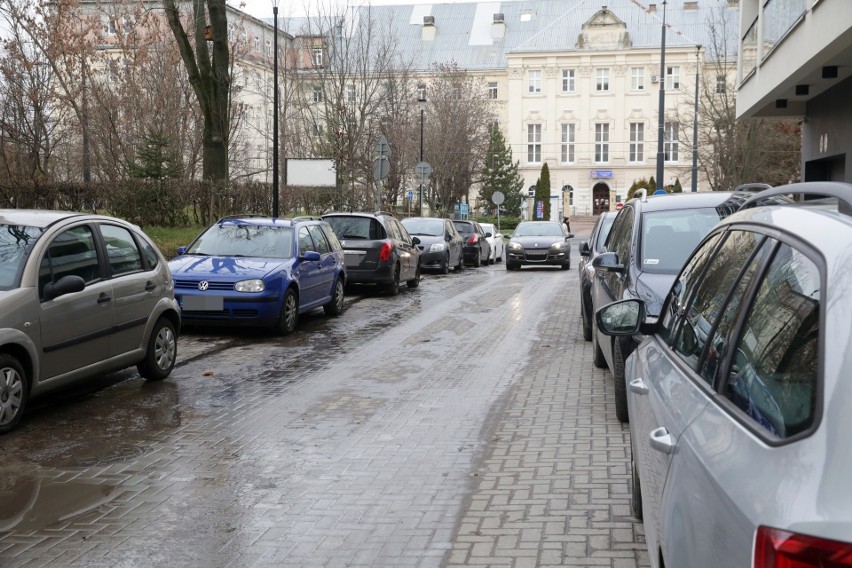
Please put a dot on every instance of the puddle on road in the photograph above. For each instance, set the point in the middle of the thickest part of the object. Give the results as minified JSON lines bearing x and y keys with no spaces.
{"x":30,"y":504}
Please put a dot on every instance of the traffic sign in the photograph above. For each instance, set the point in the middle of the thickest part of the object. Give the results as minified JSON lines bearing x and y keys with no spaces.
{"x":497,"y":198}
{"x":423,"y":169}
{"x":410,"y":195}
{"x":382,"y":147}
{"x":381,"y":167}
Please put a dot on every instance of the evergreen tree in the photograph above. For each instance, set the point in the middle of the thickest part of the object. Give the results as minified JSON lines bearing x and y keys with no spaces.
{"x":542,"y":193}
{"x":154,"y":160}
{"x":501,"y":174}
{"x":652,"y":185}
{"x":677,"y":188}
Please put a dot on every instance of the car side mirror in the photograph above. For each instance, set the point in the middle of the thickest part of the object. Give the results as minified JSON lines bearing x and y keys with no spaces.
{"x":584,"y":249}
{"x":311,"y":255}
{"x":181,"y":250}
{"x":415,"y":240}
{"x":621,"y":318}
{"x":608,"y":261}
{"x":488,"y":235}
{"x":569,"y":236}
{"x":65,"y":285}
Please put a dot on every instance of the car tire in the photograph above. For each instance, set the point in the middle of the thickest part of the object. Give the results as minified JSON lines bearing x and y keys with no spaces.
{"x":477,"y":261}
{"x":620,"y":386}
{"x":161,"y":354}
{"x":416,"y":282}
{"x":598,"y":360}
{"x":445,"y":267}
{"x":335,"y":306}
{"x":566,"y":266}
{"x":460,"y":265}
{"x":289,"y":313}
{"x":392,"y":289}
{"x":636,"y":492}
{"x":14,"y":391}
{"x":587,"y":322}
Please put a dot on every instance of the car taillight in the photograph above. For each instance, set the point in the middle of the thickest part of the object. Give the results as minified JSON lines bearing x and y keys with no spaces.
{"x":473,"y":240}
{"x":385,"y":252}
{"x":776,"y":548}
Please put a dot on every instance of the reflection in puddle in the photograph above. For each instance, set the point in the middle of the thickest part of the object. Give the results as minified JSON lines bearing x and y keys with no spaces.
{"x":29,"y":504}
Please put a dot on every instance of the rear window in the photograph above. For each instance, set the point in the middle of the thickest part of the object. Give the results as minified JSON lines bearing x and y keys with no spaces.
{"x":424,"y":227}
{"x":365,"y":228}
{"x":465,"y":228}
{"x":669,"y":237}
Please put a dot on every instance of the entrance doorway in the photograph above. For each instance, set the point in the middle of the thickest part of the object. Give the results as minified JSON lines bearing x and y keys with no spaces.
{"x":600,"y":198}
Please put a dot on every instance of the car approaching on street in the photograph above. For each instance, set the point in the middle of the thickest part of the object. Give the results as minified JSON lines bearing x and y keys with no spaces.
{"x":260,"y":271}
{"x":476,"y":248}
{"x":740,"y":397}
{"x":588,"y":251}
{"x":378,"y":250}
{"x":440,"y":243}
{"x":647,"y":245}
{"x":495,"y":241}
{"x":539,"y":243}
{"x":81,"y":295}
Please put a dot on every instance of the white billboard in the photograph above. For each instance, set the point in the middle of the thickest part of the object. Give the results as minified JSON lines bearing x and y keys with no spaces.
{"x":313,"y":172}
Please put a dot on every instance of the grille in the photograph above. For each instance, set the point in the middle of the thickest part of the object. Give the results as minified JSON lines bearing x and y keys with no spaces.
{"x":193,"y":285}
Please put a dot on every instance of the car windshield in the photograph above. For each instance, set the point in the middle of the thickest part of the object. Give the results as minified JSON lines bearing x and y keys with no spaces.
{"x":15,"y":241}
{"x":538,"y":230}
{"x":261,"y":241}
{"x":355,"y":227}
{"x":669,"y":237}
{"x":424,"y":227}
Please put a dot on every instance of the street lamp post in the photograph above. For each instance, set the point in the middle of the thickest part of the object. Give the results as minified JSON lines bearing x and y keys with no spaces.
{"x":662,"y":109}
{"x":421,"y":100}
{"x":275,"y":111}
{"x":695,"y":125}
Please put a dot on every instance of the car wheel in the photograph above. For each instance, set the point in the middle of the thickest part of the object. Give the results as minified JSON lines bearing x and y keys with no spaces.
{"x":460,"y":265}
{"x":13,"y":392}
{"x":392,"y":289}
{"x":599,"y":361}
{"x":477,"y":262}
{"x":416,"y":282}
{"x":620,"y":387}
{"x":335,"y":306}
{"x":567,"y":266}
{"x":289,"y":313}
{"x":587,"y":322}
{"x":636,"y":493}
{"x":161,"y":353}
{"x":445,"y":267}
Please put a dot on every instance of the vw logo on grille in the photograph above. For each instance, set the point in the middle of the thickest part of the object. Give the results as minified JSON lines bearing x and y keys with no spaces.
{"x":203,"y":285}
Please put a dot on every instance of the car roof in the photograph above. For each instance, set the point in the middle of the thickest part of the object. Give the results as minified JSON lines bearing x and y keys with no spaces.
{"x":539,"y":222}
{"x":358,"y":214}
{"x":38,"y":218}
{"x":682,"y":200}
{"x":262,"y":220}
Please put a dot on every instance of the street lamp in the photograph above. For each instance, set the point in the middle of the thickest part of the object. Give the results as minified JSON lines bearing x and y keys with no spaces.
{"x":695,"y":124}
{"x":662,"y":109}
{"x":421,"y":100}
{"x":275,"y":112}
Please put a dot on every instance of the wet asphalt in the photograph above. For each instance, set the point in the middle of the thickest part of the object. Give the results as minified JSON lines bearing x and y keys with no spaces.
{"x":460,"y":423}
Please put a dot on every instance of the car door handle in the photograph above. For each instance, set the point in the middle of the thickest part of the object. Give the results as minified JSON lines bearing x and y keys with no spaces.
{"x":150,"y":286}
{"x":661,"y":440}
{"x":104,"y":298}
{"x":638,"y":386}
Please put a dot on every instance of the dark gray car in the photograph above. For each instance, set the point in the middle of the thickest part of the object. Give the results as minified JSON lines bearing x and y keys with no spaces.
{"x":539,"y":243}
{"x":440,"y":242}
{"x":80,"y":295}
{"x":588,"y":251}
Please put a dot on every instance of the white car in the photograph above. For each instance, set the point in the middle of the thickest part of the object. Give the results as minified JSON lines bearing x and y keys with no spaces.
{"x":495,"y":239}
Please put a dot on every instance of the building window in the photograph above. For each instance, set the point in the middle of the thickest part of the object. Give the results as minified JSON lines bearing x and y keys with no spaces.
{"x":602,"y":82}
{"x":318,"y":94}
{"x":534,"y":82}
{"x":316,"y":56}
{"x":534,"y":143}
{"x":492,"y":90}
{"x":350,"y":93}
{"x":672,"y":78}
{"x":670,"y":142}
{"x":637,"y":78}
{"x":317,"y":129}
{"x":494,"y":123}
{"x":567,"y":80}
{"x":601,"y":143}
{"x":568,"y":132}
{"x":267,"y":48}
{"x":257,"y":43}
{"x":637,"y":142}
{"x":721,"y":84}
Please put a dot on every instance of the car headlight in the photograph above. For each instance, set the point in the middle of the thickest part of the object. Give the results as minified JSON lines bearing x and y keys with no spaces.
{"x":436,"y":247}
{"x":249,"y":286}
{"x":558,"y":247}
{"x":516,"y":247}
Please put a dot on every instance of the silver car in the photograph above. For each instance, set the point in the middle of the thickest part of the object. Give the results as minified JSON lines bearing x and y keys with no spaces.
{"x":740,"y":399}
{"x":80,"y":295}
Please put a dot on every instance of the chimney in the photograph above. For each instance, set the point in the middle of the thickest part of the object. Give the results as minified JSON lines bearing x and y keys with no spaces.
{"x":428,"y":31}
{"x":498,"y":27}
{"x":652,"y":8}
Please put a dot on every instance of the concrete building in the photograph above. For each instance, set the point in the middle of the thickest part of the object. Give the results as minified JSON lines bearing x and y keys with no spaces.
{"x":797,"y":62}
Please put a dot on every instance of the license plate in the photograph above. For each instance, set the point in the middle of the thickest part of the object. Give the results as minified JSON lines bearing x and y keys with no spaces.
{"x":203,"y":303}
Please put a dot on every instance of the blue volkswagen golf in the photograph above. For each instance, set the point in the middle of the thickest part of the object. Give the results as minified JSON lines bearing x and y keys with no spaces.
{"x":260,"y":271}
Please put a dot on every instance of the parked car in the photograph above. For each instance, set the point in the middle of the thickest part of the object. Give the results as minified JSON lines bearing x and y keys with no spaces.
{"x":588,"y":251}
{"x":495,"y":241}
{"x":739,"y":398}
{"x":378,"y":250}
{"x":539,"y":243}
{"x":259,"y":271}
{"x":476,"y":249}
{"x":80,"y":295}
{"x":440,"y":242}
{"x":647,"y":245}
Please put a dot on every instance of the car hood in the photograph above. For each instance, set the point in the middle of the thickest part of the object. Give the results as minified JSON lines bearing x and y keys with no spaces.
{"x":652,"y":288}
{"x":224,"y":267}
{"x":540,"y":241}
